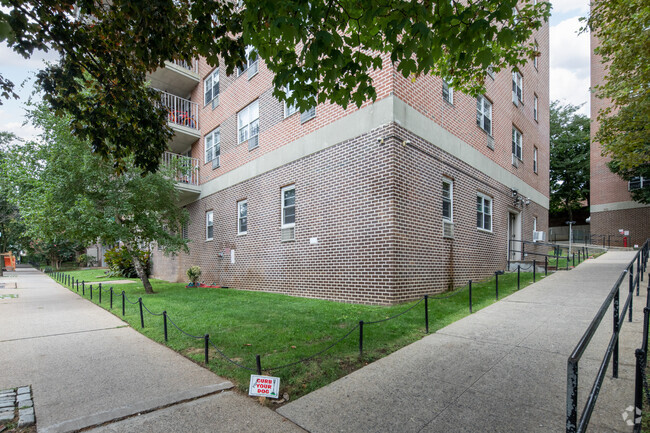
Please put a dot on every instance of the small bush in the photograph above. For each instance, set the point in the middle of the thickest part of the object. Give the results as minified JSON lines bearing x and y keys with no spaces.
{"x":86,"y":260}
{"x":119,"y":261}
{"x":194,"y":273}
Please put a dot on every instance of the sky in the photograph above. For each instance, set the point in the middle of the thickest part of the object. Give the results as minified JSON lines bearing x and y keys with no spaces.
{"x":569,"y":67}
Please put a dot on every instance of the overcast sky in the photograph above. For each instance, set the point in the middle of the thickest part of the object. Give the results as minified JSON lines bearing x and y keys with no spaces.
{"x":569,"y":67}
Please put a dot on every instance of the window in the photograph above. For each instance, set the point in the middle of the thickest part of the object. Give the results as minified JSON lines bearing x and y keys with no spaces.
{"x":248,"y":124}
{"x":490,"y":72}
{"x":535,"y":112}
{"x":516,"y":142}
{"x":213,"y":147}
{"x":536,"y":58}
{"x":638,"y":183}
{"x":534,"y":224}
{"x":308,"y":115}
{"x":211,"y":87}
{"x":484,"y":114}
{"x":289,"y":109}
{"x":185,"y":231}
{"x":483,"y":212}
{"x":534,"y":160}
{"x":288,"y":206}
{"x":447,"y":199}
{"x":517,"y":88}
{"x":209,"y":226}
{"x":251,"y":63}
{"x":242,"y":217}
{"x":447,"y":92}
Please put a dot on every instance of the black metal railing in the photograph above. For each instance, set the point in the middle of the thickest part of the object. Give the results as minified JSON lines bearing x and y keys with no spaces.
{"x":573,"y":423}
{"x":543,"y":252}
{"x":640,"y":380}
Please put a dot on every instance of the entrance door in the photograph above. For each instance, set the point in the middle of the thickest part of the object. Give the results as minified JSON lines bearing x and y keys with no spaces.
{"x":514,"y":235}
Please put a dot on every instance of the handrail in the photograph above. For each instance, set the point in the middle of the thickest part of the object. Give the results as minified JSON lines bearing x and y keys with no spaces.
{"x":186,"y":168}
{"x":573,"y":424}
{"x":180,"y":111}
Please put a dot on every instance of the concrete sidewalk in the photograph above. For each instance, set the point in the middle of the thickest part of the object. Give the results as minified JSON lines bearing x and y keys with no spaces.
{"x":502,"y":369}
{"x":87,"y":367}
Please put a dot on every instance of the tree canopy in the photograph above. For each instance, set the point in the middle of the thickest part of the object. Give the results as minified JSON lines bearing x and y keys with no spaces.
{"x":569,"y":158}
{"x":624,"y":46}
{"x":321,"y":50}
{"x":65,"y":192}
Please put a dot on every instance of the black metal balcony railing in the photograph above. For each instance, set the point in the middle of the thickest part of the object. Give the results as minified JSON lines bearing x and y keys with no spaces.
{"x":182,"y":112}
{"x":185,"y":169}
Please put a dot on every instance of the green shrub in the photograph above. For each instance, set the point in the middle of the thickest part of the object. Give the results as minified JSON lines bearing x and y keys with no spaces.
{"x":119,"y":261}
{"x":194,"y":273}
{"x":86,"y":260}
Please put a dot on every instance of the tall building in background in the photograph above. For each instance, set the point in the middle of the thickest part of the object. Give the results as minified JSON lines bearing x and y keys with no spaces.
{"x":611,"y":206}
{"x":413,"y":193}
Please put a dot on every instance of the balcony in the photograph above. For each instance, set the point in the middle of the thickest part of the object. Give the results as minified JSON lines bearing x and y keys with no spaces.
{"x":183,"y":118}
{"x":185,"y":171}
{"x":177,"y":77}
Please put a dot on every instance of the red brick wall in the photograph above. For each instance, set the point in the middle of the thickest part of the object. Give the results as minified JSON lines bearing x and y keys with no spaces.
{"x":376,"y":211}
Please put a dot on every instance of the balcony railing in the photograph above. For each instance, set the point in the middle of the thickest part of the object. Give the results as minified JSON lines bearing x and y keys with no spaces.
{"x":181,"y":111}
{"x":193,"y":66}
{"x":185,"y":169}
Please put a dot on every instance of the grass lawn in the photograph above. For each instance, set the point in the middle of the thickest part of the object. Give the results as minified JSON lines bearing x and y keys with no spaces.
{"x":284,"y":329}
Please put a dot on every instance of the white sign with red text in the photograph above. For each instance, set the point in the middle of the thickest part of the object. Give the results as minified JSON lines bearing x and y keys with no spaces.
{"x":264,"y":386}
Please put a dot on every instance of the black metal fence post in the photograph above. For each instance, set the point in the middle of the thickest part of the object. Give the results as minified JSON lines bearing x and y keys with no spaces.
{"x":496,"y":284}
{"x":616,"y":318}
{"x":573,"y":257}
{"x":426,"y":312}
{"x":631,"y":270}
{"x":91,"y":292}
{"x":361,"y":338}
{"x":83,"y":288}
{"x":572,"y":397}
{"x":165,"y":323}
{"x":123,"y":296}
{"x":77,"y":286}
{"x":111,"y":294}
{"x":545,"y":266}
{"x":207,"y":343}
{"x":638,"y":388}
{"x":470,"y":296}
{"x":258,"y":361}
{"x":534,"y":270}
{"x":518,"y":276}
{"x":567,"y":260}
{"x":141,"y":314}
{"x":100,"y":293}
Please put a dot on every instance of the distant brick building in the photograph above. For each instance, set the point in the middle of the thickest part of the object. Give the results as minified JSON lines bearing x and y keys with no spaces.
{"x":412,"y":194}
{"x":611,"y":205}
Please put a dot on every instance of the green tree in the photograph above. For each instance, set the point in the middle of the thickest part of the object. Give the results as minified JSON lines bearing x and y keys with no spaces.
{"x":67,"y":192}
{"x":569,"y":158}
{"x":322,"y":50}
{"x":11,"y":227}
{"x":624,"y":46}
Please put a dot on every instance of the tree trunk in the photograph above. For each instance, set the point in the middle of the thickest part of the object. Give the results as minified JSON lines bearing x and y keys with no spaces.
{"x":139,"y":269}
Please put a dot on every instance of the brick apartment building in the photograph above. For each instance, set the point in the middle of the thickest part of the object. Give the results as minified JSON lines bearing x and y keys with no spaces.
{"x":611,"y":206}
{"x":411,"y":194}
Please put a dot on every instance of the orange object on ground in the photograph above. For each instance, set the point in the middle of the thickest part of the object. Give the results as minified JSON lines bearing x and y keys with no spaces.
{"x":9,"y":261}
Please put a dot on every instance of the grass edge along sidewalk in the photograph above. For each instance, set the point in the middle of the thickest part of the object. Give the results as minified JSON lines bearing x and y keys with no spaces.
{"x":228,"y":328}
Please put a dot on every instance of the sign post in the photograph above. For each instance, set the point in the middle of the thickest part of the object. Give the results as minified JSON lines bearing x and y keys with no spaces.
{"x":571,"y":223}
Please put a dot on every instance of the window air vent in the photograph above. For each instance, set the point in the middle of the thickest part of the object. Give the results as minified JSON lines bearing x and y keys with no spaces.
{"x":288,"y":234}
{"x":490,"y":142}
{"x":253,"y":142}
{"x":447,"y":229}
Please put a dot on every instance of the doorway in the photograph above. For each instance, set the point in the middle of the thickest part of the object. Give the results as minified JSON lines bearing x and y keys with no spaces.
{"x":514,"y":235}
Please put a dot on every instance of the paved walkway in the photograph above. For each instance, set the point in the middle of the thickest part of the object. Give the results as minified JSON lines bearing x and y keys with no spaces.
{"x":87,"y":367}
{"x":502,"y":369}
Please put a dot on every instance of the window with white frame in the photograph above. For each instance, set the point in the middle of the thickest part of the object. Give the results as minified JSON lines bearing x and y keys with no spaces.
{"x":242,"y":217}
{"x":638,"y":182}
{"x":213,"y":147}
{"x":447,"y":199}
{"x":483,"y":212}
{"x":534,"y":159}
{"x":447,"y":92}
{"x":185,"y":230}
{"x":536,"y":58}
{"x":288,"y":194}
{"x":517,"y":88}
{"x":251,"y":63}
{"x":484,"y":114}
{"x":289,"y":109}
{"x":534,"y":224}
{"x":516,"y":142}
{"x":248,"y":124}
{"x":209,"y":225}
{"x":211,"y":87}
{"x":535,"y":112}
